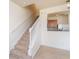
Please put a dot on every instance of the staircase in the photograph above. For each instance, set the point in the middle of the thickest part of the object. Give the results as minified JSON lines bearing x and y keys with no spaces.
{"x":21,"y":48}
{"x":29,"y":44}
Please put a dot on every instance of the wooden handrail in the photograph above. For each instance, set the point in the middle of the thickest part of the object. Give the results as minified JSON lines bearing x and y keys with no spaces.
{"x":34,"y":24}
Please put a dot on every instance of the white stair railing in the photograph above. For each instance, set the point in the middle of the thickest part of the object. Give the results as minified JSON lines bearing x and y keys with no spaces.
{"x":35,"y":37}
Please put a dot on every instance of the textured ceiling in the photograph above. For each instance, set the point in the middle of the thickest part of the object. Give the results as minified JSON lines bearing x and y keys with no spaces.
{"x":59,"y":13}
{"x":40,"y":3}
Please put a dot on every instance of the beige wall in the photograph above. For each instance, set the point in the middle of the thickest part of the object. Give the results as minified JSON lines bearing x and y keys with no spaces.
{"x":62,"y":19}
{"x":19,"y":21}
{"x":34,"y":10}
{"x":57,"y":39}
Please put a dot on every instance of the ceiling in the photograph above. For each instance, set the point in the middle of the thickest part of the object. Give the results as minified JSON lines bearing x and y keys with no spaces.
{"x":40,"y":3}
{"x":66,"y":13}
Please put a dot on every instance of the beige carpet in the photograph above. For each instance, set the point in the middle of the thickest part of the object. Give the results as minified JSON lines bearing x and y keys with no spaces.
{"x":21,"y":48}
{"x":20,"y":51}
{"x":52,"y":53}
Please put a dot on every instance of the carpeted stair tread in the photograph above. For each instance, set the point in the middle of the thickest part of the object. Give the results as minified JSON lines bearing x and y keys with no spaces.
{"x":17,"y":52}
{"x":21,"y":48}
